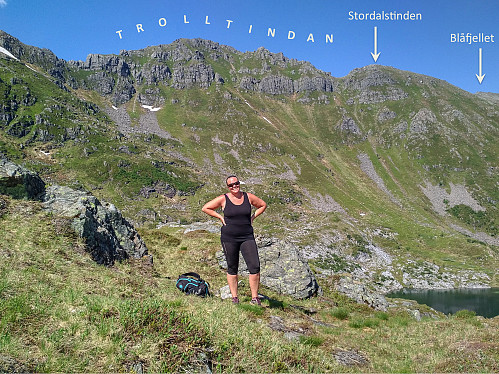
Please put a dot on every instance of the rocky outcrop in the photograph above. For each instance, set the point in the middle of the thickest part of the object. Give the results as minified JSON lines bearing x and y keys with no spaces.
{"x":370,"y":76}
{"x":422,"y":120}
{"x":108,"y":235}
{"x":426,"y":275}
{"x":183,"y":64}
{"x":19,"y":182}
{"x":151,"y":74}
{"x":158,"y":188}
{"x":201,"y":75}
{"x":281,"y":85}
{"x":41,"y":57}
{"x":361,"y":293}
{"x":101,"y":82}
{"x":276,"y":85}
{"x":16,"y":94}
{"x":285,"y":271}
{"x":281,"y":269}
{"x":386,"y":115}
{"x":350,"y":357}
{"x":349,"y":126}
{"x":373,"y":85}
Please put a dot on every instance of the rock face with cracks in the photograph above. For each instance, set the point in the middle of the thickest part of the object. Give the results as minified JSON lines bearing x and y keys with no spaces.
{"x":282,"y":269}
{"x":108,"y":235}
{"x":19,"y":182}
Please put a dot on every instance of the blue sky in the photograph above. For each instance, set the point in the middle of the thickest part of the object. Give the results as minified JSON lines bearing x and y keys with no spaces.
{"x":74,"y":29}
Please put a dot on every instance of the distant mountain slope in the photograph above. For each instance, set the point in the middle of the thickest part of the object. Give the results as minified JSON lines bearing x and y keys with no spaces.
{"x":493,"y":97}
{"x":381,"y":159}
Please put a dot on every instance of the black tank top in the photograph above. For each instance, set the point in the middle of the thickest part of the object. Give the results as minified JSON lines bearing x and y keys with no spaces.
{"x":237,"y":221}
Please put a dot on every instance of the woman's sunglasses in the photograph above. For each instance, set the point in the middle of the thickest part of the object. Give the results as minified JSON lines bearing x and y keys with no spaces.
{"x":233,"y":184}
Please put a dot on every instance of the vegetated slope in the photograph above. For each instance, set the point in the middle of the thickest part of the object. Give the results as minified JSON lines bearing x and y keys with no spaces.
{"x":381,"y":157}
{"x":61,"y":312}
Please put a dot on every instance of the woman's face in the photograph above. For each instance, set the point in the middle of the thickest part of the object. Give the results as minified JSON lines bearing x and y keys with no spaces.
{"x":233,"y":184}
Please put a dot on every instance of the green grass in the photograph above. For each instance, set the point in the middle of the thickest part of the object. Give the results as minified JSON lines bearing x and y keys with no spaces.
{"x":340,"y":313}
{"x":62,"y":312}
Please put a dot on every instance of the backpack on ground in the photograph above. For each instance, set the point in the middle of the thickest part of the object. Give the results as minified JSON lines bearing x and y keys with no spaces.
{"x":191,"y":283}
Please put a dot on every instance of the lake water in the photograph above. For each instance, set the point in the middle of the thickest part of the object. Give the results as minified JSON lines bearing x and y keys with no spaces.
{"x":483,"y":301}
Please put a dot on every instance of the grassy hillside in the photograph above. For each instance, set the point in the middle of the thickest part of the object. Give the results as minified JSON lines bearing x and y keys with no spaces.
{"x":389,"y":160}
{"x":387,"y":150}
{"x":60,"y":312}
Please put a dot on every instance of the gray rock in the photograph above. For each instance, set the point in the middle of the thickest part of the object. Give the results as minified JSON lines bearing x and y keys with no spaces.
{"x":350,"y":358}
{"x":151,"y":74}
{"x":224,"y":292}
{"x":386,"y":115}
{"x":317,"y":83}
{"x":282,"y":269}
{"x":348,"y":125}
{"x":151,"y":96}
{"x":285,"y":271}
{"x":147,"y":214}
{"x":276,"y":85}
{"x":367,"y":167}
{"x":108,"y":235}
{"x":366,"y":80}
{"x":159,"y":188}
{"x":416,"y":314}
{"x":101,"y":82}
{"x":277,"y":324}
{"x":361,"y":293}
{"x":422,"y":120}
{"x":281,"y":85}
{"x":401,"y":127}
{"x":366,"y":77}
{"x":19,"y":182}
{"x":11,"y":365}
{"x":369,"y":96}
{"x":201,"y":75}
{"x":292,"y":335}
{"x":123,"y":92}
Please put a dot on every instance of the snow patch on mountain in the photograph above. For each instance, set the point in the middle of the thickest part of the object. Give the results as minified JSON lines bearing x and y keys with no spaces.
{"x":4,"y":51}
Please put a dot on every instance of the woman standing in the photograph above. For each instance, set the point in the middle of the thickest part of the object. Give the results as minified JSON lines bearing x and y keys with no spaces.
{"x":237,"y":234}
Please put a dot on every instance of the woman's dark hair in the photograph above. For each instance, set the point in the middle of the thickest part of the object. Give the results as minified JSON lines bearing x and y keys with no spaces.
{"x":230,"y":176}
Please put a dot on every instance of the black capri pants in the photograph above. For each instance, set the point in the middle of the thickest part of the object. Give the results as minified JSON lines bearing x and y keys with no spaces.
{"x":249,"y":251}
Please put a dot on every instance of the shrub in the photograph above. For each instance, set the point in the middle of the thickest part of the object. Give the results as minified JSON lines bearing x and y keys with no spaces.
{"x":465,"y":314}
{"x":340,"y":313}
{"x":381,"y":315}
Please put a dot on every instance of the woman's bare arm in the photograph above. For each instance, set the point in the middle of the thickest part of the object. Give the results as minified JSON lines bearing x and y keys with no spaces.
{"x":211,"y":206}
{"x":258,"y":203}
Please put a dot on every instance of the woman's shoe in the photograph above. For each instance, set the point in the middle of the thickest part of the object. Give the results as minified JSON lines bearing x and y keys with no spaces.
{"x":256,"y":301}
{"x":235,"y":300}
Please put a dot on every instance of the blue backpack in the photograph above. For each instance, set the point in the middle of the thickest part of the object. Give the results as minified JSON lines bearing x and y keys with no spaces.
{"x":191,"y":283}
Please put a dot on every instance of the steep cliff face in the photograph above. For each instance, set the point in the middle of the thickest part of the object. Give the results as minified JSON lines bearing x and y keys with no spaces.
{"x":183,"y":64}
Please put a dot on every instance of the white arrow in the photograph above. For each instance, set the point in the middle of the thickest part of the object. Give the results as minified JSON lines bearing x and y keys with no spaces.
{"x":480,"y":77}
{"x":375,"y":54}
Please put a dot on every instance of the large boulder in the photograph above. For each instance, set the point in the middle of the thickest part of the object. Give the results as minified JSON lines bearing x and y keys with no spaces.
{"x":361,"y":293}
{"x":282,"y":269}
{"x":19,"y":182}
{"x":108,"y":235}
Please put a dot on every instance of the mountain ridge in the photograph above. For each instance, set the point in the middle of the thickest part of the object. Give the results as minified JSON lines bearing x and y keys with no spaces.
{"x":369,"y":160}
